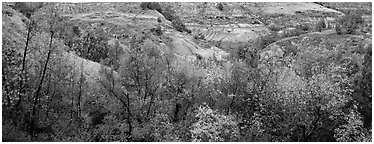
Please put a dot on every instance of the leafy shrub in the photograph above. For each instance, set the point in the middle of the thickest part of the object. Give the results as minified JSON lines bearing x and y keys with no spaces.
{"x":199,"y":36}
{"x":293,"y":32}
{"x":274,"y":27}
{"x":352,"y":131}
{"x":168,"y":13}
{"x":151,"y":6}
{"x":163,"y":128}
{"x":155,"y":6}
{"x":179,"y":25}
{"x":242,"y":52}
{"x":302,"y":27}
{"x":362,"y":89}
{"x":349,"y":23}
{"x":269,"y":38}
{"x":144,"y":5}
{"x":115,"y":53}
{"x":220,"y":6}
{"x":27,"y":8}
{"x":13,"y":134}
{"x":157,"y":30}
{"x":76,"y":30}
{"x":320,"y":25}
{"x":93,"y":46}
{"x":213,"y":126}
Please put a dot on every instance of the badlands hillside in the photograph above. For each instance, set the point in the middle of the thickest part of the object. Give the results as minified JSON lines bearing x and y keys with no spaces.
{"x":186,"y":71}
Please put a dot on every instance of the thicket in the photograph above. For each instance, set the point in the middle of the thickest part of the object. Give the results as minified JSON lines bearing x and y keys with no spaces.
{"x":157,"y":30}
{"x":220,"y":6}
{"x":168,"y":13}
{"x":177,"y":23}
{"x":27,"y":8}
{"x":274,"y":27}
{"x":151,"y":6}
{"x":269,"y":38}
{"x":90,"y":43}
{"x":303,"y":27}
{"x":349,"y":23}
{"x":93,"y":45}
{"x":320,"y":25}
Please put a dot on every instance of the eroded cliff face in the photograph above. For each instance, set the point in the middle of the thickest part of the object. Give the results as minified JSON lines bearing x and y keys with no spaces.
{"x":233,"y":27}
{"x":230,"y":36}
{"x":239,"y":24}
{"x":221,"y":31}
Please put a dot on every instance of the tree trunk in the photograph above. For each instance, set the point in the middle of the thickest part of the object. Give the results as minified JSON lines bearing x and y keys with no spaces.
{"x":129,"y":116}
{"x":80,"y":91}
{"x":28,"y":39}
{"x":37,"y":93}
{"x":150,"y":105}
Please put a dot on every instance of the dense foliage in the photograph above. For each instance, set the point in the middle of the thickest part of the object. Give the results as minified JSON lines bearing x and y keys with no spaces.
{"x":168,"y":13}
{"x":220,"y":6}
{"x":320,"y":25}
{"x":151,"y":6}
{"x":349,"y":23}
{"x":93,"y":45}
{"x":27,"y":8}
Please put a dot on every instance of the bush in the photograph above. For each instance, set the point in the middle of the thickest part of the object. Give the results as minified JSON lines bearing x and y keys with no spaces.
{"x":93,"y":46}
{"x":179,"y":25}
{"x":268,"y":39}
{"x":274,"y":27}
{"x":349,"y":23}
{"x":27,"y":8}
{"x":155,"y":6}
{"x":213,"y":126}
{"x":115,"y":53}
{"x":151,"y":6}
{"x":303,"y":27}
{"x":320,"y":25}
{"x":157,"y":30}
{"x":168,"y":13}
{"x":144,"y":5}
{"x":220,"y":6}
{"x":292,"y":32}
{"x":199,"y":36}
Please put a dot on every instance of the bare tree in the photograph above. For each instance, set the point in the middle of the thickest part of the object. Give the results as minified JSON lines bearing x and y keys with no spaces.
{"x":52,"y":24}
{"x":31,"y":31}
